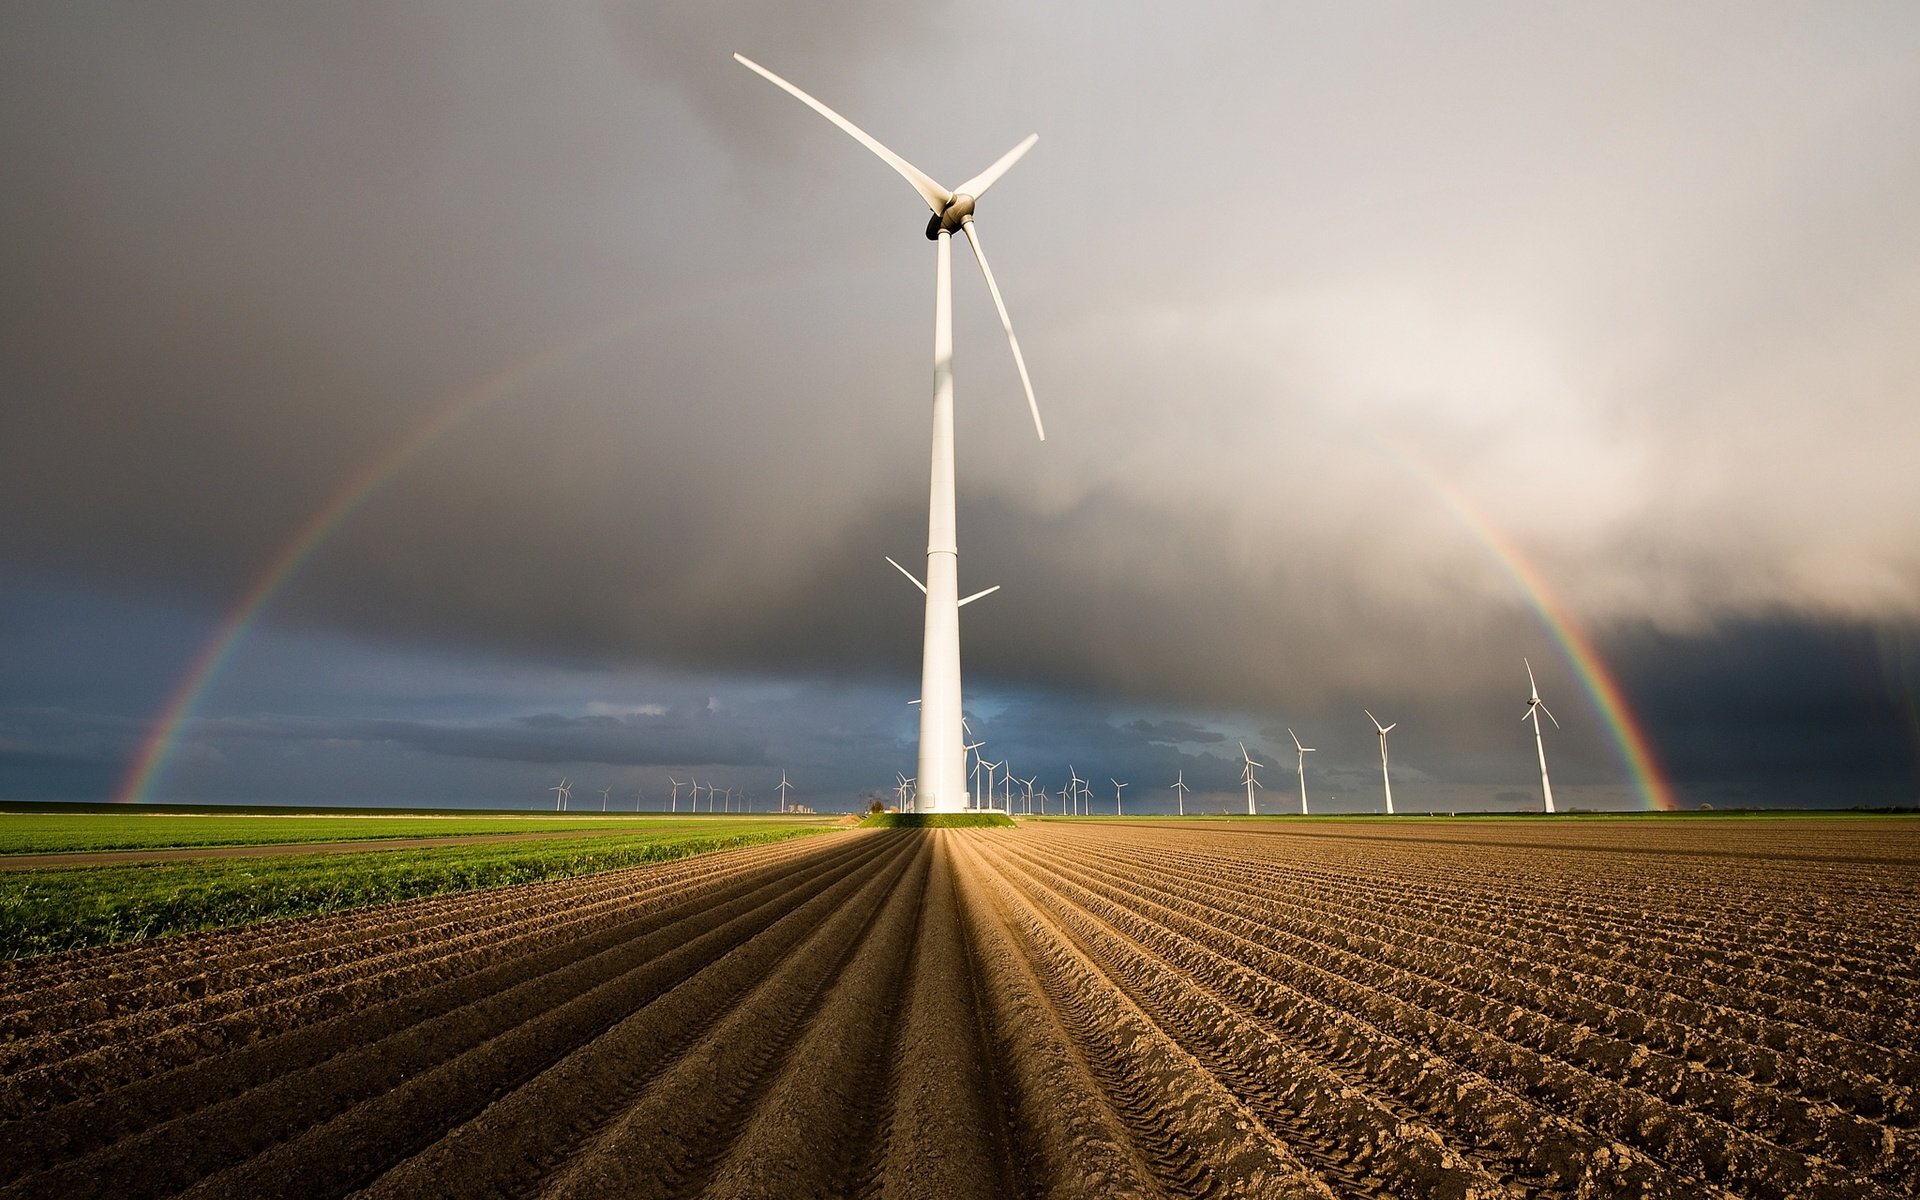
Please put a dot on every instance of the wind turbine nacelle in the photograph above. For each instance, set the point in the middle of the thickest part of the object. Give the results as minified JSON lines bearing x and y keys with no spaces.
{"x":958,"y":212}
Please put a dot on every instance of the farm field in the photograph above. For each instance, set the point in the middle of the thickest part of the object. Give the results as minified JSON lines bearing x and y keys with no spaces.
{"x":50,"y":903}
{"x":1417,"y":1008}
{"x":41,"y":832}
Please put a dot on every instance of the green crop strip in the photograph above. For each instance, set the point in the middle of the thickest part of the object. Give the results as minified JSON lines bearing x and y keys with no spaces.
{"x":64,"y":909}
{"x":56,"y":833}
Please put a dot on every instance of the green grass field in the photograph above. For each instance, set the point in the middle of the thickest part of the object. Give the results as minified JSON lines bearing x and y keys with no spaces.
{"x":135,"y":829}
{"x":959,"y":820}
{"x":71,"y":907}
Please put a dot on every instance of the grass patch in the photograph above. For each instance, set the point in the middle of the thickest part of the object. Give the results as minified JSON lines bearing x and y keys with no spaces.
{"x":68,"y":832}
{"x":958,"y":820}
{"x":42,"y":911}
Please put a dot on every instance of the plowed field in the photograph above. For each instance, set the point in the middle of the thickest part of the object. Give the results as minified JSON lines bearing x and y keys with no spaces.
{"x":1407,"y":1010}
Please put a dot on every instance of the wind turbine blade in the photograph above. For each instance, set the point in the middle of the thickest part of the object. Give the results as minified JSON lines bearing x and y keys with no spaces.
{"x":1371,"y":717}
{"x":1526,"y":714}
{"x":908,"y":574}
{"x":1296,"y":740}
{"x":1389,"y":729}
{"x":1550,"y":716}
{"x":1531,"y":685}
{"x":935,"y":195}
{"x":978,"y":185}
{"x":970,"y":599}
{"x":1006,"y":323}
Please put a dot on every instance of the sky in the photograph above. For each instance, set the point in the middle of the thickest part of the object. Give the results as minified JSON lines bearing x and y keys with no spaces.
{"x":445,"y":399}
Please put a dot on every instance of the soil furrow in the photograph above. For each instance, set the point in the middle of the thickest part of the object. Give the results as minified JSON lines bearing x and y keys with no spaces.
{"x":470,"y":1053}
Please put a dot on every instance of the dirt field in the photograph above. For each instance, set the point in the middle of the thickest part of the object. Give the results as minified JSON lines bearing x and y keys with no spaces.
{"x":1443,"y":1010}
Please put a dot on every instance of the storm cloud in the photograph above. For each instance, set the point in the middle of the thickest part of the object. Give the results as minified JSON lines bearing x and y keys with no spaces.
{"x":1314,"y":298}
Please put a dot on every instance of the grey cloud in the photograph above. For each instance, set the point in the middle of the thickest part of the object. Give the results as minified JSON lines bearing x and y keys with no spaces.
{"x":1634,"y":285}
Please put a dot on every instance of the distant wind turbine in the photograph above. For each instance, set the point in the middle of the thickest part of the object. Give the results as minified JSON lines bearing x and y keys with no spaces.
{"x":676,"y":792}
{"x":784,"y":785}
{"x":1384,"y":777}
{"x":604,"y":792}
{"x":1117,"y":785}
{"x":1246,"y":777}
{"x":1536,"y":706}
{"x":942,"y":765}
{"x":562,"y":794}
{"x":1077,"y":782}
{"x":1181,"y":790}
{"x":1300,"y":768}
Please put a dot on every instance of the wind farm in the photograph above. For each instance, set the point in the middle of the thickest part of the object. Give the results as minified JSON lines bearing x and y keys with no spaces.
{"x":412,"y":416}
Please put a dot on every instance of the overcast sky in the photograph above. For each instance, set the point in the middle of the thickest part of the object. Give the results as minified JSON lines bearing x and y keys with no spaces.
{"x":1635,"y":284}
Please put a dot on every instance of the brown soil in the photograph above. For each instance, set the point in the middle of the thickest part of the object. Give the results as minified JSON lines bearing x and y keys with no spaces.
{"x":1052,"y":1011}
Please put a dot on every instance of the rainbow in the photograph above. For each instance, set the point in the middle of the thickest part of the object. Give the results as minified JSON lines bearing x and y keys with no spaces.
{"x":1629,"y":736}
{"x":156,"y":748}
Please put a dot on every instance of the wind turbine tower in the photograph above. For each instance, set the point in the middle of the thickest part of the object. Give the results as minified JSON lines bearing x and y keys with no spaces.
{"x":1180,"y":791}
{"x":1246,"y":777}
{"x":942,"y":764}
{"x":1384,"y":777}
{"x":1535,"y":706}
{"x":1300,"y":768}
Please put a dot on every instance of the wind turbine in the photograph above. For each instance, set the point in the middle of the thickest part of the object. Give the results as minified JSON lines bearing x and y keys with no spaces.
{"x":638,"y":796}
{"x":1384,"y":777}
{"x":603,"y":797}
{"x":1536,"y":706}
{"x":696,"y":785}
{"x":1117,"y":785}
{"x":973,"y":748}
{"x":784,"y":785}
{"x":1181,"y":790}
{"x":1029,"y":782}
{"x":942,"y":762}
{"x":1300,"y":768}
{"x":1246,"y":777}
{"x":563,"y":793}
{"x":1077,"y":781}
{"x":676,"y":792}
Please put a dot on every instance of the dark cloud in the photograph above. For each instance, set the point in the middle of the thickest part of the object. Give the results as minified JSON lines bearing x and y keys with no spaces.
{"x":1312,"y":305}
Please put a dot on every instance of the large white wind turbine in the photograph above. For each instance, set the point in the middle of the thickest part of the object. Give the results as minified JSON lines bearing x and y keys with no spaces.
{"x":676,"y":792}
{"x":1384,"y":777}
{"x":604,"y":793}
{"x":1117,"y":785}
{"x":1246,"y":777}
{"x":784,"y":787}
{"x":1536,"y":706}
{"x":1300,"y":768}
{"x":942,"y":764}
{"x":562,"y":794}
{"x":1181,"y":790}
